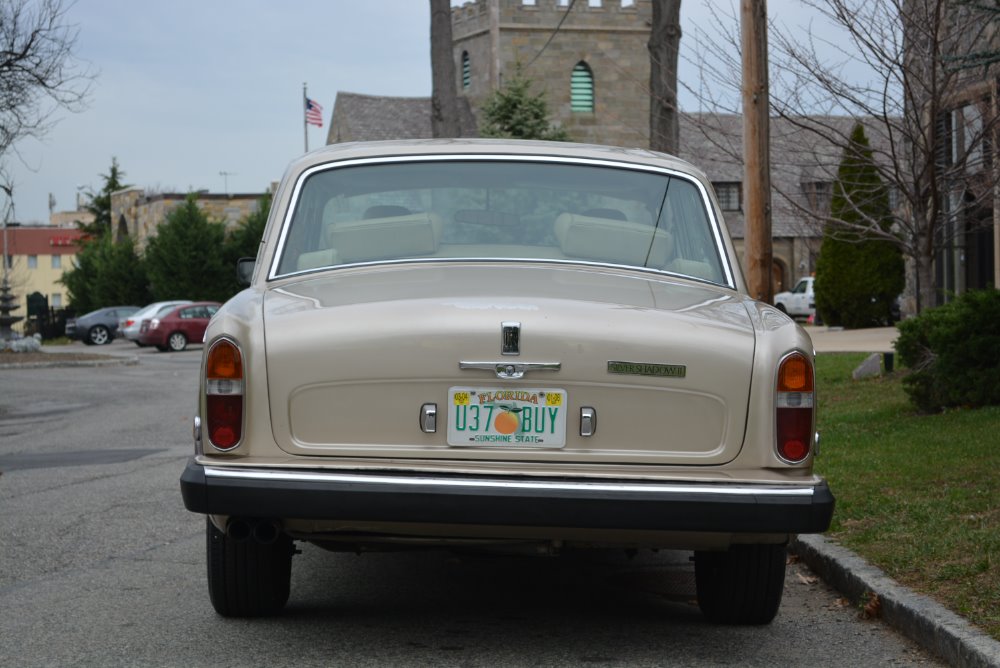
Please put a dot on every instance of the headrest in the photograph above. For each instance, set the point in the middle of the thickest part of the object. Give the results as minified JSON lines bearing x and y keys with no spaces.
{"x":608,"y":240}
{"x":385,"y":211}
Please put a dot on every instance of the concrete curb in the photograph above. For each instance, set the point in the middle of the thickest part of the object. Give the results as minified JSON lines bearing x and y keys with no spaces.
{"x":110,"y":361}
{"x":918,"y":617}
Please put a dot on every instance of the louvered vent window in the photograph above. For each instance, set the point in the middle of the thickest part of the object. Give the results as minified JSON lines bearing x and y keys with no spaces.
{"x":582,"y":89}
{"x":466,"y":70}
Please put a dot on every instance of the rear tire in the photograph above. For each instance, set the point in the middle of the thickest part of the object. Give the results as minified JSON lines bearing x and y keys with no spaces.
{"x":247,"y":578}
{"x":742,"y":585}
{"x":99,"y":335}
{"x":177,"y":342}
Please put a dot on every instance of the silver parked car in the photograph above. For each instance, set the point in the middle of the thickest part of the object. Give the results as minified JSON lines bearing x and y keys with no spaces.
{"x":129,"y":325}
{"x":476,"y":343}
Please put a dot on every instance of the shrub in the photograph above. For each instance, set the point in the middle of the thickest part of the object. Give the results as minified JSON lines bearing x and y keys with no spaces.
{"x":953,"y":352}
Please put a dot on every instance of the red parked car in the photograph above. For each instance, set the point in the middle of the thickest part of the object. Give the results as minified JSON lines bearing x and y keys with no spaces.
{"x":174,"y":329}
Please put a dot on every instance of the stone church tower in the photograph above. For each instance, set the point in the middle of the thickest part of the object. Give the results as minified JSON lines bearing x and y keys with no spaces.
{"x":588,"y":57}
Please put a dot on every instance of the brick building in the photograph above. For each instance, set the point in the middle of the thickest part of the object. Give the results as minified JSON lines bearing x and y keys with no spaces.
{"x":36,"y":258}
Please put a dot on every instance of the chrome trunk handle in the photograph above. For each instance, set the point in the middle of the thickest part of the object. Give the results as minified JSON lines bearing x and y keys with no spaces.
{"x":511,"y":370}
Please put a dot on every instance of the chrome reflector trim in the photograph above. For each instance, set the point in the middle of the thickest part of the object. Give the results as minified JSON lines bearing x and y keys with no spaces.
{"x":588,"y":421}
{"x":428,"y":418}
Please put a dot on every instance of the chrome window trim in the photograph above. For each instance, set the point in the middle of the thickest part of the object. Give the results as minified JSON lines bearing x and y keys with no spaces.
{"x":715,"y":221}
{"x":726,"y":489}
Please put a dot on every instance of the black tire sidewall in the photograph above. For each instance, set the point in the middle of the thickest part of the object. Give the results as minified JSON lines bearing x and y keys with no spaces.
{"x":247,"y":578}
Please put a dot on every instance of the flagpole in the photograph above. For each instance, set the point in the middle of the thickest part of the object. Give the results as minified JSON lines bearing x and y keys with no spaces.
{"x":305,"y":121}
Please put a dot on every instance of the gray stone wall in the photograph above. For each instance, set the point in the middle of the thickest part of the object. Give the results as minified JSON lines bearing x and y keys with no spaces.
{"x":139,"y":213}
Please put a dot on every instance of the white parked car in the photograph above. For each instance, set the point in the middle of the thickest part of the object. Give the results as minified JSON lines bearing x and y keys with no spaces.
{"x":129,"y":326}
{"x":800,"y":301}
{"x":477,"y":343}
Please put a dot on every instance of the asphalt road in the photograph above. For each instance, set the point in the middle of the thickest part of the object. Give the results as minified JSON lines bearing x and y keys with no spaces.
{"x":101,"y":565}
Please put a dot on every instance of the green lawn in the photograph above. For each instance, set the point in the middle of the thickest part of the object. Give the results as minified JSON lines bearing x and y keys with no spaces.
{"x":917,"y":495}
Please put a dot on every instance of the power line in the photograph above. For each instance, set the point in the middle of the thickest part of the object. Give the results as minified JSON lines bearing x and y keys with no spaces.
{"x":554,"y":32}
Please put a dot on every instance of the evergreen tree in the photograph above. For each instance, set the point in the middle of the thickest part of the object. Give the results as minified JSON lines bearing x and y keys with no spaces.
{"x":79,"y":280}
{"x":244,"y":239}
{"x":100,"y":202}
{"x":107,"y":273}
{"x":185,"y":260}
{"x":513,"y":112}
{"x":121,"y":274}
{"x":858,"y":276}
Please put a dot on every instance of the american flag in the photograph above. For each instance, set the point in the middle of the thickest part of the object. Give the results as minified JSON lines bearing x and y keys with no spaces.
{"x":314,"y":113}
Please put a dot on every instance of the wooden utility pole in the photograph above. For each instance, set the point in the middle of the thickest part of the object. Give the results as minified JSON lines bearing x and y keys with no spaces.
{"x":756,"y":154}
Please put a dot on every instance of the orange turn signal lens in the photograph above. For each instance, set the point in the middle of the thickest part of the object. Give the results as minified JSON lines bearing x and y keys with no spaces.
{"x":224,"y":361}
{"x":795,"y":374}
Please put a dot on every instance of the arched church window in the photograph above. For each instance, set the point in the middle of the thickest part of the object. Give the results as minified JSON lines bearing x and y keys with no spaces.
{"x":122,"y":229}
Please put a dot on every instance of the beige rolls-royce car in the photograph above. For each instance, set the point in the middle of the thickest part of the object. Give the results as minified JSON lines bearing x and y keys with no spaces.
{"x":480,"y":343}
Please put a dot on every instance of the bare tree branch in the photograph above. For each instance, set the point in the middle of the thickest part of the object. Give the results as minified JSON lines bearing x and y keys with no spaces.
{"x":39,"y":71}
{"x":929,"y":124}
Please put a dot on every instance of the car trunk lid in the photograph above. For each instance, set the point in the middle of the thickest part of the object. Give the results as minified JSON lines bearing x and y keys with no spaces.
{"x":354,"y":356}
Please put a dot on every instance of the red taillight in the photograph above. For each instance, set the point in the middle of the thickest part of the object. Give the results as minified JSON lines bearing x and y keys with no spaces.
{"x":794,"y":401}
{"x":129,"y":322}
{"x":224,"y":395}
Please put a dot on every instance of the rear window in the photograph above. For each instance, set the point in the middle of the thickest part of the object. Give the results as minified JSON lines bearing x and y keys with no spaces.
{"x":486,"y":210}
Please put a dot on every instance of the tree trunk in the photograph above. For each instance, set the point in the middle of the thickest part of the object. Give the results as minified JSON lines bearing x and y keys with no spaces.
{"x":926,"y":289}
{"x":444,"y":98}
{"x":664,"y":41}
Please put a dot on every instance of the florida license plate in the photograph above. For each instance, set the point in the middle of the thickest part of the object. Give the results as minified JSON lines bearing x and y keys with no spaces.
{"x":506,"y":418}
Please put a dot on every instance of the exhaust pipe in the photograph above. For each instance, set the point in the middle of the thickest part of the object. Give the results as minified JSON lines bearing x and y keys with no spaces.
{"x":239,"y":529}
{"x":264,"y":532}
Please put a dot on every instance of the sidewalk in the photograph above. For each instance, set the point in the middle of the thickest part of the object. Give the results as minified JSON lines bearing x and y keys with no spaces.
{"x":839,"y":340}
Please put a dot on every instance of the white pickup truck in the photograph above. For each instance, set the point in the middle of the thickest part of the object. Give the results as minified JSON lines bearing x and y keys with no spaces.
{"x":800,"y":301}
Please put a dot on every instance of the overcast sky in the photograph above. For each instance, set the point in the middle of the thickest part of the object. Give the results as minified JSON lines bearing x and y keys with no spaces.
{"x":187,"y":89}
